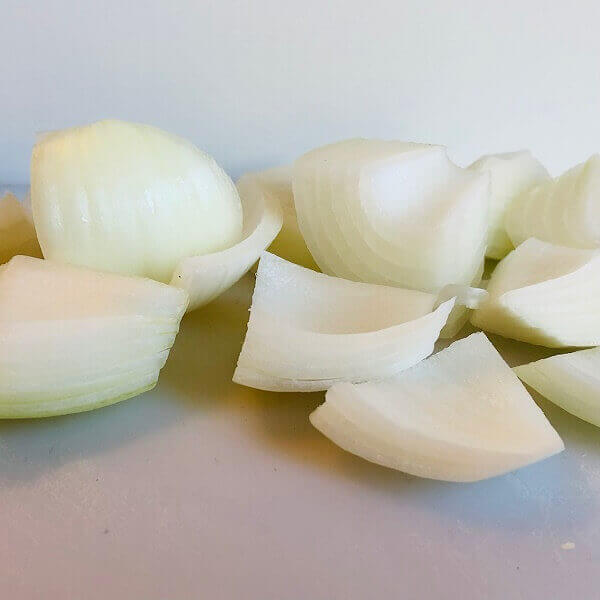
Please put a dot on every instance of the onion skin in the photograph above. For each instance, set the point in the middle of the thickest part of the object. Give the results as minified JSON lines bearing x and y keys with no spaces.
{"x":129,"y":199}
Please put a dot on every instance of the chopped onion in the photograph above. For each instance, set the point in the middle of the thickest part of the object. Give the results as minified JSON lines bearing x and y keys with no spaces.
{"x":308,"y":331}
{"x":130,"y":199}
{"x":205,"y":277}
{"x":289,"y":243}
{"x":544,"y":294}
{"x":392,"y":213}
{"x":74,"y":339}
{"x":461,"y":415}
{"x":563,"y":211}
{"x":17,"y":234}
{"x":511,"y":174}
{"x":572,"y":381}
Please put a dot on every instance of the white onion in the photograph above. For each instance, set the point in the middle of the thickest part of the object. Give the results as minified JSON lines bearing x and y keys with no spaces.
{"x":130,"y":199}
{"x":460,"y":415}
{"x":205,"y":277}
{"x":511,"y":174}
{"x":17,"y":235}
{"x":392,"y":213}
{"x":308,"y":330}
{"x":74,"y":339}
{"x":563,"y":211}
{"x":572,"y":381}
{"x":544,"y":294}
{"x":289,"y":243}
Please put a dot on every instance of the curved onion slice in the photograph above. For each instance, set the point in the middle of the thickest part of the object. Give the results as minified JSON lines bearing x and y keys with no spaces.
{"x":130,"y":199}
{"x":74,"y":339}
{"x":511,"y":174}
{"x":17,"y":235}
{"x":571,"y":381}
{"x":544,"y":294}
{"x":392,"y":213}
{"x":289,"y":243}
{"x":562,"y":211}
{"x":207,"y":276}
{"x":460,"y":415}
{"x":308,"y":330}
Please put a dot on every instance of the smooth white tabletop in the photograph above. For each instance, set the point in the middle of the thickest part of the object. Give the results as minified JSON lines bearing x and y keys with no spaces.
{"x":204,"y":489}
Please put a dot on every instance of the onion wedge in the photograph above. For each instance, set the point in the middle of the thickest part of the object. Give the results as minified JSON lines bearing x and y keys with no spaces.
{"x":392,"y":213}
{"x":289,"y":243}
{"x":563,"y":211}
{"x":511,"y":174}
{"x":74,"y":339}
{"x":308,"y":330}
{"x":544,"y":294}
{"x":571,"y":381}
{"x":461,"y":415}
{"x":17,"y":234}
{"x":207,"y":276}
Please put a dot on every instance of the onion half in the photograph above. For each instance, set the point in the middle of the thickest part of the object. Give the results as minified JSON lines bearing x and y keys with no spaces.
{"x":392,"y":213}
{"x":563,"y":211}
{"x":460,"y":415}
{"x":511,"y":174}
{"x":207,"y":276}
{"x":308,"y":330}
{"x":571,"y":381}
{"x":544,"y":294}
{"x":74,"y":339}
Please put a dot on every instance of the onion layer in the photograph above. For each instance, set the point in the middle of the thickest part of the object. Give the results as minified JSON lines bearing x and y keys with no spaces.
{"x":461,"y":415}
{"x":544,"y":294}
{"x":17,"y":234}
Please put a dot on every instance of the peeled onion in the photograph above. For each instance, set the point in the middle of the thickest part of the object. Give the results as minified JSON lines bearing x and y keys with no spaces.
{"x":17,"y":234}
{"x":563,"y":211}
{"x":205,"y":277}
{"x":308,"y":330}
{"x":511,"y":174}
{"x":544,"y":294}
{"x":571,"y":381}
{"x":74,"y":339}
{"x":130,"y":199}
{"x":460,"y":415}
{"x":392,"y":213}
{"x":289,"y":243}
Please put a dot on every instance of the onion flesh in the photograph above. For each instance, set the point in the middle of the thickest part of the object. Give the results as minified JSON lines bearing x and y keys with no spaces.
{"x":563,"y":211}
{"x":460,"y":415}
{"x":17,"y":234}
{"x":74,"y":339}
{"x":511,"y":174}
{"x":130,"y":199}
{"x":392,"y":213}
{"x":571,"y":381}
{"x":207,"y":276}
{"x":544,"y":294}
{"x":308,"y":330}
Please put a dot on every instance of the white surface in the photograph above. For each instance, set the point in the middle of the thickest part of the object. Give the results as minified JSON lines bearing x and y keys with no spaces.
{"x":204,"y":489}
{"x":257,"y":83}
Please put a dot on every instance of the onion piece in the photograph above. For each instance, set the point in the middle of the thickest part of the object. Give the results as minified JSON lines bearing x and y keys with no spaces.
{"x":460,"y":415}
{"x":571,"y":381}
{"x":392,"y":213}
{"x":467,"y":299}
{"x":563,"y":211}
{"x":130,"y":199}
{"x":511,"y":174}
{"x":308,"y":330}
{"x":207,"y":276}
{"x":289,"y":243}
{"x":74,"y":339}
{"x":544,"y":294}
{"x":17,"y":234}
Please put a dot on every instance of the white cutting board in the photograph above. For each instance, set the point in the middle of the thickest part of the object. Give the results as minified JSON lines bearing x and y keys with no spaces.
{"x":204,"y":489}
